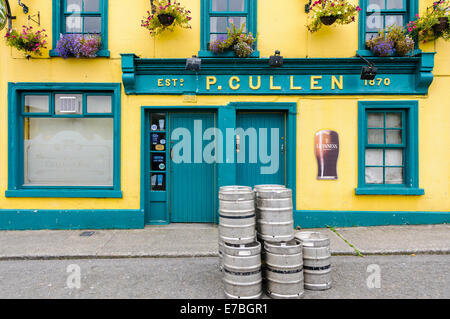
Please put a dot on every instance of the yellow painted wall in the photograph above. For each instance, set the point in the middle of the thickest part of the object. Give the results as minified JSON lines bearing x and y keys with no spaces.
{"x":281,"y":25}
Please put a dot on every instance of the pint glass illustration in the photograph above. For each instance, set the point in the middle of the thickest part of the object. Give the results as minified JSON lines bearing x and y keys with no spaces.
{"x":327,"y":152}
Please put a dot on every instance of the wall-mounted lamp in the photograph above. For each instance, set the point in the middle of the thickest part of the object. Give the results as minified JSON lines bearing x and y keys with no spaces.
{"x":276,"y":60}
{"x":368,"y":72}
{"x":193,"y":64}
{"x":24,"y":7}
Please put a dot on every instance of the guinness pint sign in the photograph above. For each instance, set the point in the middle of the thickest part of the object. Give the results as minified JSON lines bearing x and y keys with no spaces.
{"x":327,"y":152}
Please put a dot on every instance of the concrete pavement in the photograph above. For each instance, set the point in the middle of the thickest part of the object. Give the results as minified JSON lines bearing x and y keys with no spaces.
{"x":200,"y":240}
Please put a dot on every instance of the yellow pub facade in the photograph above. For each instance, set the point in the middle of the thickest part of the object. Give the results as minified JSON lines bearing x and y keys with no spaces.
{"x":145,"y":134}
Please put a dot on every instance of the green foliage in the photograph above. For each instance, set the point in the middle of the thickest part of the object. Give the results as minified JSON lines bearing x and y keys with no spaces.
{"x":179,"y":14}
{"x":423,"y":27}
{"x":391,"y":41}
{"x":28,"y":41}
{"x":236,"y":40}
{"x":341,"y":9}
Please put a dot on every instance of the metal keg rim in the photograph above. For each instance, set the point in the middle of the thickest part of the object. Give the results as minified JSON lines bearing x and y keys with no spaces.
{"x":317,"y":238}
{"x":237,"y":249}
{"x":273,"y":192}
{"x":284,"y":247}
{"x":264,"y":186}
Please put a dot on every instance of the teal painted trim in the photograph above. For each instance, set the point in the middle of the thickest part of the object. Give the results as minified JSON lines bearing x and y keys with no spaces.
{"x":58,"y":7}
{"x":412,"y":8}
{"x":64,"y":193}
{"x":389,"y":191}
{"x":15,"y":149}
{"x":20,"y":219}
{"x":411,"y":174}
{"x":322,"y":219}
{"x":408,"y":76}
{"x":205,"y":12}
{"x":226,"y":117}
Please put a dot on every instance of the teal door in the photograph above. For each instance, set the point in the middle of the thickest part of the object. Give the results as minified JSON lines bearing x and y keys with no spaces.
{"x":261,"y":148}
{"x":193,"y":189}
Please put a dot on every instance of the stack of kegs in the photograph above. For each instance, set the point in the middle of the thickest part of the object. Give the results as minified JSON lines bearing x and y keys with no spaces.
{"x":258,"y":246}
{"x":240,"y":252}
{"x":283,"y":263}
{"x":316,"y":259}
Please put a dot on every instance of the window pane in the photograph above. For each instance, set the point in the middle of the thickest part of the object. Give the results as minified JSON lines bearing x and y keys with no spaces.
{"x":375,"y":137}
{"x":74,"y":24}
{"x":375,"y":120}
{"x":236,"y":5}
{"x":370,"y":36}
{"x":73,"y":6}
{"x":374,"y":157}
{"x":391,"y":20}
{"x":68,"y":103}
{"x":374,"y":22}
{"x":395,"y":4}
{"x":91,"y":5}
{"x":393,"y":120}
{"x":219,"y":5}
{"x":158,"y":181}
{"x":393,"y":137}
{"x":218,"y":24}
{"x":37,"y":103}
{"x":376,"y":5}
{"x":92,"y":25}
{"x":158,"y":122}
{"x":394,"y":157}
{"x":238,"y":22}
{"x":68,"y":152}
{"x":394,"y":175}
{"x":99,"y":104}
{"x":374,"y":175}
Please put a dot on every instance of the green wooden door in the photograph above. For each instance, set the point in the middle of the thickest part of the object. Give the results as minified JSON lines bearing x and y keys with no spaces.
{"x":193,"y":189}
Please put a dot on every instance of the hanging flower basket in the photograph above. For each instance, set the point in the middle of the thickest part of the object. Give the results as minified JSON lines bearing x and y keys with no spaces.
{"x":328,"y":20}
{"x":166,"y":19}
{"x":441,"y":26}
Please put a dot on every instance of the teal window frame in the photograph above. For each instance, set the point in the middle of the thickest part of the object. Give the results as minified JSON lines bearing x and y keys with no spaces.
{"x":59,"y":15}
{"x":411,"y":9}
{"x":207,"y":13}
{"x":16,"y":93}
{"x":410,"y":125}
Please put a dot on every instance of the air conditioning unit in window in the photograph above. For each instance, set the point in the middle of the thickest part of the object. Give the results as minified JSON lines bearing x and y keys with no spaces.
{"x":69,"y":104}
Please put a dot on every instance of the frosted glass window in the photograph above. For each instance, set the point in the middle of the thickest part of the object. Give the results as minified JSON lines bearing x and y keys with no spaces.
{"x":375,"y":137}
{"x":68,"y":104}
{"x":374,"y":22}
{"x":394,"y":4}
{"x":374,"y":175}
{"x":393,"y":137}
{"x":393,"y":120}
{"x":236,"y":5}
{"x":376,"y":4}
{"x":374,"y":157}
{"x":74,"y":24}
{"x":219,"y":5}
{"x":68,"y":151}
{"x":394,"y":157}
{"x":394,"y":175}
{"x":73,"y":6}
{"x":91,"y":5}
{"x":99,"y":104}
{"x":92,"y":25}
{"x":394,"y":20}
{"x":375,"y":120}
{"x":219,"y":24}
{"x":37,"y":104}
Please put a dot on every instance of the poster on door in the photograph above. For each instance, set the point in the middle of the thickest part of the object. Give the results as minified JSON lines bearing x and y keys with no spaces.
{"x":327,"y":153}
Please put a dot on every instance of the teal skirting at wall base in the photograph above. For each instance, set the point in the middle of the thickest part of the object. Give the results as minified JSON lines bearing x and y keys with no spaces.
{"x":319,"y":219}
{"x":71,"y":219}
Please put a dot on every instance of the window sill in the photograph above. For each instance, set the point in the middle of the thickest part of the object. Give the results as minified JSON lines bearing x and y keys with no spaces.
{"x":100,"y":54}
{"x":64,"y":193}
{"x":228,"y":54}
{"x":368,"y":53}
{"x":389,"y":191}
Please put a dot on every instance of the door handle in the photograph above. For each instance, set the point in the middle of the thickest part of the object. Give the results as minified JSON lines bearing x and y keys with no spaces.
{"x":282,"y":148}
{"x":238,"y":143}
{"x":171,"y":154}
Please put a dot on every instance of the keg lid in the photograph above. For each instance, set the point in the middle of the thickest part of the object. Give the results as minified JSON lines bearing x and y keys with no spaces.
{"x":268,"y":193}
{"x":312,"y":238}
{"x":293,"y":246}
{"x":236,"y":193}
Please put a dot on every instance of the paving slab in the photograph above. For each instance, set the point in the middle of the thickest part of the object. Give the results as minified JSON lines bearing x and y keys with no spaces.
{"x":409,"y":239}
